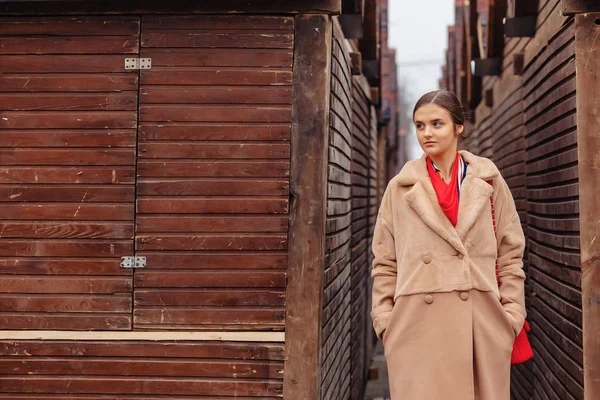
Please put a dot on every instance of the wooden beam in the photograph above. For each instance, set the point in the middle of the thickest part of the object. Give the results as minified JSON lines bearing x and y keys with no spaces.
{"x":520,"y":26}
{"x":25,"y":7}
{"x":488,"y":67}
{"x":587,"y":58}
{"x":308,"y":203}
{"x":356,"y":63}
{"x":518,"y":63}
{"x":495,"y":28}
{"x":572,"y":7}
{"x":352,"y":25}
{"x":244,"y":336}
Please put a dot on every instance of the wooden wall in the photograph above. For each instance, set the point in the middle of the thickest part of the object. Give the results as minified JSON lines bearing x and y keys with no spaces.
{"x":337,"y":283}
{"x":530,"y":133}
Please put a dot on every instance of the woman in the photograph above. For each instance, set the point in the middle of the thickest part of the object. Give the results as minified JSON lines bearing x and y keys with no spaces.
{"x":447,"y":326}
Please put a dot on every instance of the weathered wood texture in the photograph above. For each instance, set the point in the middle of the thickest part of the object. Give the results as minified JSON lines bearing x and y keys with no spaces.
{"x":360,"y":244}
{"x":140,"y":370}
{"x":530,"y":132}
{"x":213,"y":172}
{"x":587,"y":30}
{"x":38,"y":7}
{"x":67,"y":156}
{"x":336,"y":349}
{"x":308,"y":208}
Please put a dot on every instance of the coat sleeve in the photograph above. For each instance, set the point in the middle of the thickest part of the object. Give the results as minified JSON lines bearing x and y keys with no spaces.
{"x":511,"y":245}
{"x":384,"y":267}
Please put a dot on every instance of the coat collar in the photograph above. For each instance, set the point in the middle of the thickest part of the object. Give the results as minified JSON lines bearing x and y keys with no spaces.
{"x":474,"y":196}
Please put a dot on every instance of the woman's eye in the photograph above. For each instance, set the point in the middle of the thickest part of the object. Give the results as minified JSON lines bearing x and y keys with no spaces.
{"x":437,"y":123}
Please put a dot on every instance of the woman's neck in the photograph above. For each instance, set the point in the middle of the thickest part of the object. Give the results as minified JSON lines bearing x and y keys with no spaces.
{"x":445,"y":162}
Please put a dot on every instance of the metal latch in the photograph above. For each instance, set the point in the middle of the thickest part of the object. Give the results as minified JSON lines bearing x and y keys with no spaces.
{"x":138,"y":63}
{"x":133,"y":262}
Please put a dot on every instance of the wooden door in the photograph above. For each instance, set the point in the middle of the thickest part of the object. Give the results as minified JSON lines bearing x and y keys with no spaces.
{"x":68,"y":119}
{"x":213,"y":172}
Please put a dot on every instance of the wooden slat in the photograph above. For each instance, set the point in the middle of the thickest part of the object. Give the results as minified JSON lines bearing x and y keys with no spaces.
{"x":120,"y":303}
{"x":148,"y":224}
{"x":201,"y":168}
{"x":231,"y":57}
{"x":66,"y":211}
{"x":210,"y":187}
{"x":220,"y":260}
{"x":69,"y":45}
{"x":61,"y":63}
{"x":72,"y":320}
{"x":211,"y":22}
{"x":65,"y":157}
{"x":208,"y":131}
{"x":212,"y":76}
{"x":210,"y":297}
{"x":59,"y":174}
{"x":69,"y":26}
{"x":60,"y":82}
{"x":61,"y":266}
{"x":64,"y":248}
{"x":190,"y":151}
{"x":216,"y":95}
{"x":68,"y":138}
{"x":66,"y":119}
{"x":208,"y":316}
{"x":52,"y":230}
{"x":68,"y":102}
{"x":70,"y":193}
{"x":65,"y":284}
{"x":218,"y":39}
{"x":200,"y":242}
{"x":215,"y":113}
{"x":191,"y":205}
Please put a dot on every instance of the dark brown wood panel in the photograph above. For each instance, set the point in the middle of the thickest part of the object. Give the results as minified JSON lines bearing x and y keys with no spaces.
{"x":213,"y":171}
{"x":68,"y":113}
{"x":337,"y":283}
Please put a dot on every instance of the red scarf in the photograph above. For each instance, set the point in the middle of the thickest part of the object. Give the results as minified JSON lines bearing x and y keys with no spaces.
{"x":447,"y":193}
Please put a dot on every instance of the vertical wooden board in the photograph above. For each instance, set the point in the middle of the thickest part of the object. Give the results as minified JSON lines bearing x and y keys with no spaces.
{"x":214,"y":144}
{"x":308,"y":183}
{"x":68,"y":158}
{"x":587,"y":27}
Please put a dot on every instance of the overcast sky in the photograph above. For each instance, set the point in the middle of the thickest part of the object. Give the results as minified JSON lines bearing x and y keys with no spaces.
{"x":418,"y":30}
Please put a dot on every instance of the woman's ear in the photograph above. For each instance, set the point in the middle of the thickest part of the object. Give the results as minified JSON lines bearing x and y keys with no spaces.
{"x":459,"y":129}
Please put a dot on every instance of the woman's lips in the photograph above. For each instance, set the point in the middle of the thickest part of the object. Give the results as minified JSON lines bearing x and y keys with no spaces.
{"x":429,"y":143}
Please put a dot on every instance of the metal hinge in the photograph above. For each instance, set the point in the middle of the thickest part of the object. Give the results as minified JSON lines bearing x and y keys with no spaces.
{"x":138,"y":63}
{"x":133,"y":262}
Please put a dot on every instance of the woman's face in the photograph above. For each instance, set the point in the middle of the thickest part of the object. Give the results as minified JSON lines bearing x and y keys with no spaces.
{"x":435,"y":130}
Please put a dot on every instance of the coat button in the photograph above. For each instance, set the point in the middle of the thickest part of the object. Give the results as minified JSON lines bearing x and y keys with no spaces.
{"x":429,"y":299}
{"x":464,"y":296}
{"x":426,"y":259}
{"x":461,"y":256}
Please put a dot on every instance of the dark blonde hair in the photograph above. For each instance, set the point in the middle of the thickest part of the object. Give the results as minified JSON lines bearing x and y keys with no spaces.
{"x":445,"y":99}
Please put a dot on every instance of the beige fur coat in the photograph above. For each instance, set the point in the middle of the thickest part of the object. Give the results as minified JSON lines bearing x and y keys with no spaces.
{"x":429,"y":275}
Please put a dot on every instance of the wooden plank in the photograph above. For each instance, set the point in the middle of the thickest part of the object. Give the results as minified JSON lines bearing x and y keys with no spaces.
{"x":572,"y":7}
{"x":69,"y":45}
{"x":182,"y":6}
{"x":66,"y":157}
{"x":191,"y":151}
{"x":56,"y":174}
{"x":208,"y":316}
{"x":211,"y":297}
{"x":212,"y":76}
{"x":61,"y":63}
{"x":52,"y":230}
{"x":236,"y":260}
{"x":65,"y":284}
{"x":68,"y":119}
{"x":199,"y":344}
{"x":214,"y":241}
{"x":212,"y":205}
{"x":153,"y":385}
{"x":149,"y":224}
{"x":61,"y":266}
{"x":79,"y":193}
{"x":201,"y":168}
{"x":215,"y":95}
{"x":212,"y":22}
{"x":66,"y":211}
{"x":132,"y":367}
{"x":208,"y":131}
{"x":64,"y":248}
{"x":218,"y":39}
{"x":211,"y":187}
{"x":231,"y":57}
{"x":72,"y":321}
{"x":312,"y":63}
{"x":69,"y":26}
{"x":81,"y":82}
{"x":118,"y":303}
{"x":210,"y":279}
{"x":215,"y":113}
{"x":68,"y":102}
{"x":68,"y":138}
{"x":588,"y":143}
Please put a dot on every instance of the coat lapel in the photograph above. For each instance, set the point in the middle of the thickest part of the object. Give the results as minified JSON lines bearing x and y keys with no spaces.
{"x":474,"y":197}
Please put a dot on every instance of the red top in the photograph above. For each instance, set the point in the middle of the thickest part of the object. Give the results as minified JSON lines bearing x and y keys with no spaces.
{"x":447,"y":193}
